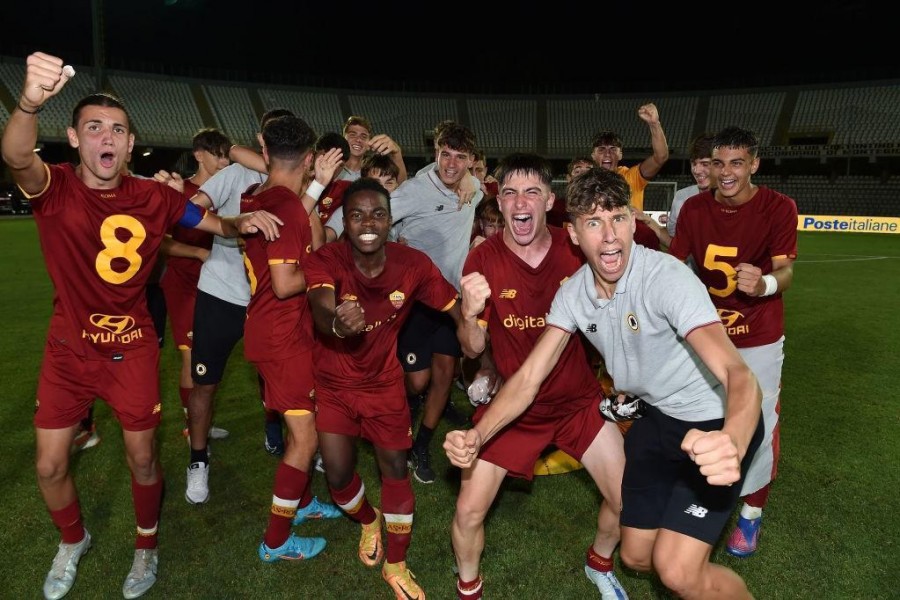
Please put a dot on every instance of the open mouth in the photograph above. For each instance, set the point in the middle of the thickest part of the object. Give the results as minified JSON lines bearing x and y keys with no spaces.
{"x":368,"y":238}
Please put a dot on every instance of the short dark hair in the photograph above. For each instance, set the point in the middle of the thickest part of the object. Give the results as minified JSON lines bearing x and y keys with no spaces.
{"x":606,"y":138}
{"x":332,"y":139}
{"x":525,"y":163}
{"x":273,"y":113}
{"x":99,"y":99}
{"x":582,"y":158}
{"x":364,"y":184}
{"x":702,"y":146}
{"x":455,"y":136}
{"x":596,"y":188}
{"x":382,"y":162}
{"x":288,"y":137}
{"x":736,"y":137}
{"x":357,"y":120}
{"x":211,"y":140}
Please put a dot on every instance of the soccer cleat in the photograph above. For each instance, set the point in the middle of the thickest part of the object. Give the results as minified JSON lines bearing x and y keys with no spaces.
{"x":421,"y":465}
{"x":295,"y":548}
{"x":217,"y":433}
{"x":316,"y":510}
{"x":86,"y":438}
{"x":274,"y":439}
{"x":371,"y":548}
{"x":454,"y":416}
{"x":744,"y":538}
{"x":320,"y":466}
{"x":142,"y":575}
{"x":197,"y":491}
{"x":64,"y":568}
{"x":606,"y":582}
{"x":402,"y":581}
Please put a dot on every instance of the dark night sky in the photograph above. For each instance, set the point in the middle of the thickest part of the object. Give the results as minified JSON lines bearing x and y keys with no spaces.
{"x":579,"y":48}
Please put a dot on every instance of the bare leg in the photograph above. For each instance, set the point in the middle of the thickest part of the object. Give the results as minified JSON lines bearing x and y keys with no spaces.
{"x":477,"y":491}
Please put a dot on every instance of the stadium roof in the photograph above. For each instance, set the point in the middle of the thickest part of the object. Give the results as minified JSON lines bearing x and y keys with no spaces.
{"x":574,"y":48}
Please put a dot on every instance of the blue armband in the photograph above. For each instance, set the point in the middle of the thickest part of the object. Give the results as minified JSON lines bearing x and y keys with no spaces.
{"x":192,"y":216}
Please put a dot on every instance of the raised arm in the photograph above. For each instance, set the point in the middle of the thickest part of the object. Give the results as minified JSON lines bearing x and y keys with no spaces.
{"x":752,"y":282}
{"x":382,"y":144}
{"x":44,"y":78}
{"x":475,"y":291}
{"x":654,"y":163}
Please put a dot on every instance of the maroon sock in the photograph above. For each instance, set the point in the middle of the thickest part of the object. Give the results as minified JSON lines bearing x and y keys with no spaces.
{"x":68,"y":521}
{"x":597,"y":562}
{"x":147,"y":502}
{"x":398,"y":504}
{"x":352,"y":499}
{"x":759,"y":498}
{"x":184,"y":393}
{"x":469,"y":590}
{"x":289,"y":484}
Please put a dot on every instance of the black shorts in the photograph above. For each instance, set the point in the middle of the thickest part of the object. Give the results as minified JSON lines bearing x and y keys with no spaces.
{"x":156,"y":304}
{"x":663,"y":488}
{"x":218,"y":326}
{"x":427,"y":331}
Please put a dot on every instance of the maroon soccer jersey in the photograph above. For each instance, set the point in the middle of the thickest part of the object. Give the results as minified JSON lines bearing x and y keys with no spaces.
{"x":276,"y":329}
{"x":369,"y":359}
{"x":187,"y":269}
{"x":720,"y":237}
{"x":100,"y":247}
{"x":515,"y":314}
{"x":332,"y":198}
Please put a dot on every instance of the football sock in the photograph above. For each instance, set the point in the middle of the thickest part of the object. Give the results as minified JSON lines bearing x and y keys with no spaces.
{"x":352,"y":500}
{"x":398,"y":505}
{"x":184,"y":393}
{"x":201,"y":456}
{"x":758,"y":499}
{"x":147,"y":502}
{"x":289,"y":485}
{"x":598,"y":562}
{"x":751,"y":512}
{"x":423,"y":438}
{"x":469,"y":590}
{"x":68,"y":521}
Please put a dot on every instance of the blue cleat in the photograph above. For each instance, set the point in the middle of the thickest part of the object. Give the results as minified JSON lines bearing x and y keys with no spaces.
{"x":295,"y":548}
{"x":607,"y":583}
{"x":316,"y":510}
{"x":744,"y":538}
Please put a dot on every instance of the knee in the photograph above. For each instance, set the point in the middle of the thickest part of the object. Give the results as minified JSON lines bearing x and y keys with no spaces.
{"x":51,"y":470}
{"x":678,"y":578}
{"x":143,"y":464}
{"x":469,"y":515}
{"x":635,"y":560}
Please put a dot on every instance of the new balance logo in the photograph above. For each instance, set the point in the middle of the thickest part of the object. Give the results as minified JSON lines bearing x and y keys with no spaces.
{"x":592,"y":328}
{"x":697,"y":511}
{"x":507,"y":293}
{"x":439,"y":208}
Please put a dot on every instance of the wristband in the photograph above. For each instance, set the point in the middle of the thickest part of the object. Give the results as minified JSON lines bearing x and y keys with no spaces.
{"x":29,"y":112}
{"x":771,"y":285}
{"x":334,"y":328}
{"x":315,"y":190}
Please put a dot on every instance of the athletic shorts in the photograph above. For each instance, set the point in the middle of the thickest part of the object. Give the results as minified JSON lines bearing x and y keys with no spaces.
{"x":289,"y":385}
{"x":218,"y":326}
{"x":663,"y":488}
{"x":68,"y":385}
{"x":427,"y":331}
{"x":518,"y":445}
{"x":181,"y":295}
{"x":766,"y":362}
{"x":379,"y":415}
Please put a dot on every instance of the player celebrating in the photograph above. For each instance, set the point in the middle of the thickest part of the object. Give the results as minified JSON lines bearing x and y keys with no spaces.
{"x":100,"y":232}
{"x":359,"y":382}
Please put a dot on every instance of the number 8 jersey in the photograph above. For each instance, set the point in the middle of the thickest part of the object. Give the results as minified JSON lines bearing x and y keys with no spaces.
{"x":99,"y":247}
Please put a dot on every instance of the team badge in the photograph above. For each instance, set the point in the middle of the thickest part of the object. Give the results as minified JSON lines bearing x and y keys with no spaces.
{"x":348,"y":297}
{"x":397,"y":298}
{"x":411,"y":358}
{"x":327,"y":202}
{"x":200,"y":369}
{"x":632,"y":322}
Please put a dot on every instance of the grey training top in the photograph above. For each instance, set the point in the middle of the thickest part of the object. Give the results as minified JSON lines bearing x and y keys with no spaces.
{"x":678,"y":201}
{"x":223,"y":274}
{"x":640,"y":332}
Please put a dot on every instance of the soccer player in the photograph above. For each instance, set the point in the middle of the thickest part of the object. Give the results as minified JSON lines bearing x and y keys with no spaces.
{"x":514,"y":275}
{"x":179,"y":281}
{"x":278,"y":334}
{"x":100,"y":232}
{"x":743,"y":239}
{"x":361,"y":292}
{"x":358,"y":133}
{"x":662,"y":340}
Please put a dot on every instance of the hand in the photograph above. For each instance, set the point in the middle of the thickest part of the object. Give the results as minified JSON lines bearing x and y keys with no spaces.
{"x":173,"y":180}
{"x":749,"y":279}
{"x":382,"y":144}
{"x":475,"y":292}
{"x":462,"y":447}
{"x":327,"y":164}
{"x":403,"y":240}
{"x":649,"y":114}
{"x":466,"y":191}
{"x":44,"y":78}
{"x":259,"y":222}
{"x":349,"y":318}
{"x":202,"y":254}
{"x":715,"y":453}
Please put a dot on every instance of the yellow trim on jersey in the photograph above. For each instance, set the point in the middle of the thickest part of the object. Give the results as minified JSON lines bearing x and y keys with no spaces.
{"x":283,"y":261}
{"x":297,"y":412}
{"x":449,"y":305}
{"x":31,"y":196}
{"x":320,"y":285}
{"x":482,"y":324}
{"x":183,"y":347}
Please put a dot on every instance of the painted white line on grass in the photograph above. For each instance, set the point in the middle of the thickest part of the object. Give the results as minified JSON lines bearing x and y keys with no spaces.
{"x":843,"y":258}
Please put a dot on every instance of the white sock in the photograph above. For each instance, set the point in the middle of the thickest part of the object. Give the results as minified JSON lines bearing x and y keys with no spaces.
{"x":750,"y":512}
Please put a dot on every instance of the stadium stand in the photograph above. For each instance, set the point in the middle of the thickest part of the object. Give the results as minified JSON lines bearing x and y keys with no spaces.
{"x":322,"y":110}
{"x":407,"y":119}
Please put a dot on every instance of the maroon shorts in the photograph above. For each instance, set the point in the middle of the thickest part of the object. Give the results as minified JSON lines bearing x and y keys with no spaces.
{"x":380,"y":415}
{"x":520,"y":443}
{"x":289,"y":385}
{"x":180,"y":298}
{"x":69,"y":384}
